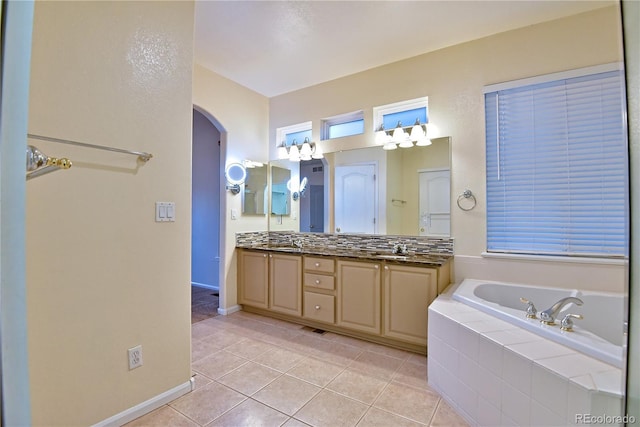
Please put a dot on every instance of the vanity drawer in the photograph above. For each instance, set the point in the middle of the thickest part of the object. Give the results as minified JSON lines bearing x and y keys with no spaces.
{"x":322,"y":265}
{"x":319,"y":281}
{"x":319,"y":307}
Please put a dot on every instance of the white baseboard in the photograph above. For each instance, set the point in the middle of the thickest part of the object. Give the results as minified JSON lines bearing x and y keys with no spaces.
{"x":225,"y":311}
{"x":147,"y":406}
{"x":204,"y":285}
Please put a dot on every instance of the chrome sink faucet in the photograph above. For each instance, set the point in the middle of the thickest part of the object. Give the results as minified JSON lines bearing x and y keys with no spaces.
{"x":297,"y":243}
{"x":549,"y":315}
{"x":399,"y":249}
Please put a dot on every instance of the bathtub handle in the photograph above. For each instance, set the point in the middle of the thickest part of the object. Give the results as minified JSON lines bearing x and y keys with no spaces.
{"x":567,"y":322}
{"x":531,"y":309}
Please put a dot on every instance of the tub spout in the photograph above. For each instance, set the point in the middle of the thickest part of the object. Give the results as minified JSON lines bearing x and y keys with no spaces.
{"x":549,"y":315}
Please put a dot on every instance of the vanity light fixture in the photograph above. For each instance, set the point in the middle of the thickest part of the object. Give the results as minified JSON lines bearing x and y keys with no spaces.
{"x":296,"y":152}
{"x":400,"y":138}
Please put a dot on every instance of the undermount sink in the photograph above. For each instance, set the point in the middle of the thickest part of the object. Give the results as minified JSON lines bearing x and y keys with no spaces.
{"x":390,"y":256}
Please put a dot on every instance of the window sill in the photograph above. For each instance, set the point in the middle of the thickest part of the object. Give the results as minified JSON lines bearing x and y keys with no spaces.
{"x":558,"y":259}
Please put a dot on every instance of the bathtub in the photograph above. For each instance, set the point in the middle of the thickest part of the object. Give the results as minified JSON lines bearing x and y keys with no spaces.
{"x":599,"y":334}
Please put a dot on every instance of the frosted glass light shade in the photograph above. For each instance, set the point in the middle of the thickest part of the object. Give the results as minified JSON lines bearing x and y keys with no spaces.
{"x":317,"y":154}
{"x":294,"y":153}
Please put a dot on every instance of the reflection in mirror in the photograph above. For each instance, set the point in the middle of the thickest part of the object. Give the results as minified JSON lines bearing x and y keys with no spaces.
{"x":255,"y":198}
{"x":280,"y":194}
{"x":412,"y":196}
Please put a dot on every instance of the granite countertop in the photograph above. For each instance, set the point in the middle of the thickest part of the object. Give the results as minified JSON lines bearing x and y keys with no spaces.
{"x":435,"y":260}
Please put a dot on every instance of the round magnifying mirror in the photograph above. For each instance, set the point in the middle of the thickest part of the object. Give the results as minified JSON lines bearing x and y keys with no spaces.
{"x":235,"y":173}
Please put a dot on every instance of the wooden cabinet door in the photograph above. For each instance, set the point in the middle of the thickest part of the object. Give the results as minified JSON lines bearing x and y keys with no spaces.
{"x":408,"y":291}
{"x":285,"y":284}
{"x":358,"y":300}
{"x":253,"y":279}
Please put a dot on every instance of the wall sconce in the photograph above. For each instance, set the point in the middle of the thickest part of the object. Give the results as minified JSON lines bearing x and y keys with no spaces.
{"x":296,"y":193}
{"x":400,"y":138}
{"x":235,"y":173}
{"x":296,"y":152}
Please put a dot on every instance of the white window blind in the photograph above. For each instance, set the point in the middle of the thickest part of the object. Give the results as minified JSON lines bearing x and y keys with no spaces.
{"x":557,"y":167}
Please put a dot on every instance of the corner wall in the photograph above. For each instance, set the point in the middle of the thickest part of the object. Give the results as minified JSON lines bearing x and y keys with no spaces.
{"x":102,"y":275}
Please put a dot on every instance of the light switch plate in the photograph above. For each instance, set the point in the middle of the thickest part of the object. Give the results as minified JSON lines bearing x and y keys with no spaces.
{"x":165,"y":212}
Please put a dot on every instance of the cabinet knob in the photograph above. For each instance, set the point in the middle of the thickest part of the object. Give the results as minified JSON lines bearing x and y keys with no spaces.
{"x":264,"y":256}
{"x":376,"y":266}
{"x":317,"y":307}
{"x":317,"y":264}
{"x":270,"y":256}
{"x":317,"y":281}
{"x":386,"y":267}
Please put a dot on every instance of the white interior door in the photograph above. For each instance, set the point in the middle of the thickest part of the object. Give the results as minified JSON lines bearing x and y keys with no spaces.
{"x":355,"y":199}
{"x":435,"y":203}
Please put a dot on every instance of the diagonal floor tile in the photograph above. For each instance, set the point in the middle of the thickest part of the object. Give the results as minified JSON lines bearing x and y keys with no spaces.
{"x":250,"y":413}
{"x":358,"y":386}
{"x":249,"y":378}
{"x":287,"y":394}
{"x":418,"y":405}
{"x":329,"y":409}
{"x":207,"y":403}
{"x":163,"y":416}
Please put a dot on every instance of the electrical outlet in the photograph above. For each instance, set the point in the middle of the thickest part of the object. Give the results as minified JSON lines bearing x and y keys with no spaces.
{"x":135,"y":357}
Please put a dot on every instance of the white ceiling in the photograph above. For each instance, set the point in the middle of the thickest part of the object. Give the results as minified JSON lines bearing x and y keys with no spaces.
{"x":274,"y":47}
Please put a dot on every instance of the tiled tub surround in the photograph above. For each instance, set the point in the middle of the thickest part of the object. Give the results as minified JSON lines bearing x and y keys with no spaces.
{"x":419,"y":249}
{"x":598,"y":334}
{"x":496,"y":373}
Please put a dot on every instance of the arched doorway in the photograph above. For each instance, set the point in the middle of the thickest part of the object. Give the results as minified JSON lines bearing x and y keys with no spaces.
{"x":205,"y":217}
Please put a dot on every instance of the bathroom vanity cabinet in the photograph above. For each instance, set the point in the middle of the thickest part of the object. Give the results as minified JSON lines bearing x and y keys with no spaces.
{"x":373,"y":299}
{"x":319,"y":289}
{"x":359,"y":296}
{"x":285,"y":290}
{"x":253,"y":279}
{"x":408,"y":291}
{"x":271,"y":281}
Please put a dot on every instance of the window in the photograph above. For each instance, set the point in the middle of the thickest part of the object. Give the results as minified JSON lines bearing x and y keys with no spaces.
{"x":405,"y":112}
{"x":343,"y":125}
{"x":297,"y":133}
{"x":557,"y":164}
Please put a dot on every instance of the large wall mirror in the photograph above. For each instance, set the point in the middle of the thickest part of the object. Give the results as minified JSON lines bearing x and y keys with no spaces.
{"x":255,"y":199}
{"x":280,"y":193}
{"x":369,"y":190}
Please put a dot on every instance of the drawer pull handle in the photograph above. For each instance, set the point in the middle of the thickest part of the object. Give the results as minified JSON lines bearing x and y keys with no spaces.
{"x":317,"y":281}
{"x":317,"y":307}
{"x":317,"y":264}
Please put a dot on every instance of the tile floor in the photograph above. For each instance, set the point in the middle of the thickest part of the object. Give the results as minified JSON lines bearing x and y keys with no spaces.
{"x":253,"y":370}
{"x":204,"y":303}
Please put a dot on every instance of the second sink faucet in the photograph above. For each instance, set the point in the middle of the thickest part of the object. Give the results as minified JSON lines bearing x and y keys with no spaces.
{"x":400,"y":249}
{"x":549,"y":315}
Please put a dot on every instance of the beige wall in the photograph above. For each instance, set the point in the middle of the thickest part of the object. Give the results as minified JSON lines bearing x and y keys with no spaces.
{"x":453,"y":79}
{"x":102,"y":275}
{"x":244,"y":117}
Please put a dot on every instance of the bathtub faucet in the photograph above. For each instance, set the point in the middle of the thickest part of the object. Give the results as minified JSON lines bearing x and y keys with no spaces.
{"x":549,"y":315}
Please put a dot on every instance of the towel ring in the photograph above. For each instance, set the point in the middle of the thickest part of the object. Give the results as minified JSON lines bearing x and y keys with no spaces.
{"x":467,"y":194}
